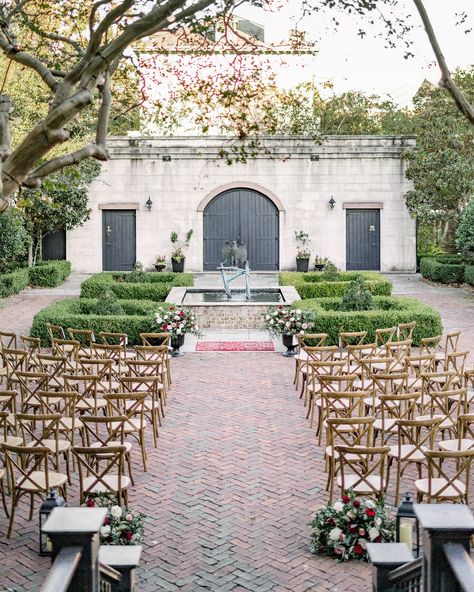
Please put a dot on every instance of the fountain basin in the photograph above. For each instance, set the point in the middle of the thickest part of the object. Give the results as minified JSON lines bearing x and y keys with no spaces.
{"x":213,"y":309}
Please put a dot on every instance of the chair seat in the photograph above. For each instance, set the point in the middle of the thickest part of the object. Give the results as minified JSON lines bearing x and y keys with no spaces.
{"x":388,"y":425}
{"x":367,"y":486}
{"x":415,"y":384}
{"x":374,"y":403}
{"x":12,"y":440}
{"x":88,"y":404}
{"x":132,"y":425}
{"x":456,"y":444}
{"x":3,"y":371}
{"x":53,"y":445}
{"x":66,"y":423}
{"x":454,"y":491}
{"x":408,"y":453}
{"x":446,"y":423}
{"x":331,"y":453}
{"x":37,"y":481}
{"x":108,"y":483}
{"x":128,"y":445}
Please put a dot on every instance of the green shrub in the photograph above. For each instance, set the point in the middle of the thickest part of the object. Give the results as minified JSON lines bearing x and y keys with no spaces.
{"x":77,"y":313}
{"x":137,"y":276}
{"x":469,"y":274}
{"x":465,"y":229}
{"x":49,"y":274}
{"x":389,"y":311}
{"x":13,"y":282}
{"x":318,"y":285}
{"x":443,"y":269}
{"x":107,"y":304}
{"x":357,"y":297}
{"x":13,"y":240}
{"x":157,"y":288}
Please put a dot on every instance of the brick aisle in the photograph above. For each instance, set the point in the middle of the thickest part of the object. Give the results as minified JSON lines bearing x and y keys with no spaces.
{"x":229,"y":491}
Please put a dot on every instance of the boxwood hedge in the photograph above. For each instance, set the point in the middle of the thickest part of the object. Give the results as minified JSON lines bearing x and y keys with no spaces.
{"x":49,"y":274}
{"x":13,"y":282}
{"x":316,"y":285}
{"x":390,"y":311}
{"x":157,"y":288}
{"x":75,"y":313}
{"x":469,"y":274}
{"x":443,"y":269}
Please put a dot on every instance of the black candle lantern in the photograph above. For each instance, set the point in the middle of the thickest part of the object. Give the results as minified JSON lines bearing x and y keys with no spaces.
{"x":406,"y":524}
{"x":52,"y":501}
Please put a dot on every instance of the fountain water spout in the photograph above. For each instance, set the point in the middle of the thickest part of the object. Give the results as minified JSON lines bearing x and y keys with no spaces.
{"x":234,"y":254}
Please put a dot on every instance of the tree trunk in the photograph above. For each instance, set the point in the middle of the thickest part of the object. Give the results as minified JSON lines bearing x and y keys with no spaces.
{"x":30,"y":254}
{"x":449,"y":236}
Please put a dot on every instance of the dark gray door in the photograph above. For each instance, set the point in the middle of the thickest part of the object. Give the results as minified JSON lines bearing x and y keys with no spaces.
{"x":248,"y":214}
{"x":363,"y":239}
{"x":54,"y":245}
{"x":118,"y":240}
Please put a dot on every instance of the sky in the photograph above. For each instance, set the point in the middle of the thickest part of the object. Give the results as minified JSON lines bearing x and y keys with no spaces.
{"x":351,"y":63}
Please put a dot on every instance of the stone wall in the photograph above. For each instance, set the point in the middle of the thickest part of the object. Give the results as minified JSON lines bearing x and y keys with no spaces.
{"x":299,"y":175}
{"x":230,"y":317}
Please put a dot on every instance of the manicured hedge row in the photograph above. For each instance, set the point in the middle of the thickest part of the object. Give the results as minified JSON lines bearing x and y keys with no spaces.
{"x":443,"y":269}
{"x":469,"y":274}
{"x":390,"y":312}
{"x":75,"y":313}
{"x":314,"y":285}
{"x":13,"y":282}
{"x":49,"y":274}
{"x":156,"y":289}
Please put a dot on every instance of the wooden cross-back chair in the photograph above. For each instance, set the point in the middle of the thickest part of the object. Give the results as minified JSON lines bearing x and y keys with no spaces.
{"x":69,"y":349}
{"x":149,"y":368}
{"x":88,"y":400}
{"x":131,"y":406}
{"x":464,"y":439}
{"x":416,"y":366}
{"x":430,"y":345}
{"x":155,"y":338}
{"x":449,"y":344}
{"x":14,"y":360}
{"x":8,"y":340}
{"x":55,"y":366}
{"x":387,"y":383}
{"x":101,"y":470}
{"x":153,"y":404}
{"x":355,"y":356}
{"x":157,"y":353}
{"x":414,"y":438}
{"x":347,"y":338}
{"x":29,"y":473}
{"x":6,"y":436}
{"x":110,"y":338}
{"x":384,"y":336}
{"x":345,"y":431}
{"x":312,"y":385}
{"x":110,"y":352}
{"x":405,"y":330}
{"x":456,"y":361}
{"x":392,"y":408}
{"x":33,"y":346}
{"x":363,"y":470}
{"x":104,"y":368}
{"x":315,"y":353}
{"x":55,"y":332}
{"x":304,"y":340}
{"x":42,"y":430}
{"x":373,"y":365}
{"x":30,"y":384}
{"x":447,"y":405}
{"x":447,"y":481}
{"x":85,"y":337}
{"x":64,"y":403}
{"x":111,"y":434}
{"x":398,"y":350}
{"x":341,"y":404}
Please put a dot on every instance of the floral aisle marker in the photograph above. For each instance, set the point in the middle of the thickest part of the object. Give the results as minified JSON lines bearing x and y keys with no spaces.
{"x":343,"y":529}
{"x":283,"y":321}
{"x":177,"y":320}
{"x":122,"y":526}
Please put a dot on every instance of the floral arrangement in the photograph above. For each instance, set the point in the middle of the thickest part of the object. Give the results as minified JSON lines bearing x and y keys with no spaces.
{"x":177,"y":320}
{"x":302,"y":240}
{"x":122,"y":526}
{"x":342,"y":530}
{"x":281,"y":321}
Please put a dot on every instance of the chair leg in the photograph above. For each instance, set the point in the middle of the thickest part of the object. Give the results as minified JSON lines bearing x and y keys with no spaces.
{"x":32,"y":506}
{"x":142,"y":444}
{"x":129,"y":463}
{"x":4,"y":501}
{"x":15,"y":500}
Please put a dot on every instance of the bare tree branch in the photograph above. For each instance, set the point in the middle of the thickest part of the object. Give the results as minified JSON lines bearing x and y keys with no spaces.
{"x":53,"y":36}
{"x":446,"y":80}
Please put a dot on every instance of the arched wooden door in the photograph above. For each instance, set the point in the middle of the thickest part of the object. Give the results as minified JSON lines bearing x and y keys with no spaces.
{"x":248,"y":214}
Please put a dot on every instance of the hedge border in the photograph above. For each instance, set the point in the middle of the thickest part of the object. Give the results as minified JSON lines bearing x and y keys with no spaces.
{"x":67,"y":313}
{"x":435,"y":269}
{"x":49,"y":274}
{"x":310,"y":285}
{"x":157,"y":289}
{"x":13,"y":282}
{"x":428,"y":320}
{"x":469,"y":274}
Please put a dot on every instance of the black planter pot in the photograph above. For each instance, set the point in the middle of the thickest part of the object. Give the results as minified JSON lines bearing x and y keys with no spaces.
{"x":160,"y":266}
{"x":178,"y":266}
{"x":176,"y":343}
{"x":290,"y":346}
{"x":302,"y":265}
{"x":319,"y":266}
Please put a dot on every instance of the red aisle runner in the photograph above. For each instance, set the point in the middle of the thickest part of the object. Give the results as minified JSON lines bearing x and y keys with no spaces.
{"x":235,"y":346}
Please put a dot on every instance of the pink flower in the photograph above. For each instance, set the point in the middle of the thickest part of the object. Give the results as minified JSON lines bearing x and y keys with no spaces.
{"x":339,"y":550}
{"x":361,"y":531}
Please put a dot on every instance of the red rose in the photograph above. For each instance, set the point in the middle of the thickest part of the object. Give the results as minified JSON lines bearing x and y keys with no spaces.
{"x":90,"y":503}
{"x":171,"y":307}
{"x":378,"y":539}
{"x":280,"y":307}
{"x":346,"y":499}
{"x":370,"y":512}
{"x":356,"y":503}
{"x":181,"y":313}
{"x":358,"y":550}
{"x":330,"y":520}
{"x":164,"y":327}
{"x":106,"y":521}
{"x":353,"y":528}
{"x":128,"y":535}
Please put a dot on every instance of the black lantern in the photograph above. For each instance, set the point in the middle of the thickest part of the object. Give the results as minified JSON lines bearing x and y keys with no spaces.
{"x":406,"y":525}
{"x":52,"y":501}
{"x":332,"y":203}
{"x":148,"y":203}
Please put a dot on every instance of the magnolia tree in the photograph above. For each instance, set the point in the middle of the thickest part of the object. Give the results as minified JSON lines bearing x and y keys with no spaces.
{"x":79,"y":48}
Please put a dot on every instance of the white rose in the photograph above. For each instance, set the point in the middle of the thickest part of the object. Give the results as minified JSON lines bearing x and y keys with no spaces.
{"x":129,"y":517}
{"x":105,"y":530}
{"x":298,"y":311}
{"x":271,"y":322}
{"x":338,"y":506}
{"x":373,"y":533}
{"x":267,"y":317}
{"x":178,"y":331}
{"x":362,"y":543}
{"x":378,"y":522}
{"x":158,"y":319}
{"x":305,"y":325}
{"x":116,"y":511}
{"x":334,"y":534}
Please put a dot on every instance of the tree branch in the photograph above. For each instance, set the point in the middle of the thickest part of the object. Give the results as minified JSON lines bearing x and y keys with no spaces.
{"x":55,"y":164}
{"x":53,"y":36}
{"x":446,"y":80}
{"x":104,"y":112}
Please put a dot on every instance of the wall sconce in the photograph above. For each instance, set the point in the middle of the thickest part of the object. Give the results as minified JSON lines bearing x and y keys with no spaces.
{"x":166,"y":158}
{"x":314,"y":157}
{"x":332,"y":203}
{"x":148,"y":203}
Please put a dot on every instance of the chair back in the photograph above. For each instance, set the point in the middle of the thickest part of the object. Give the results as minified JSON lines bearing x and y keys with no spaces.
{"x":31,"y":344}
{"x":430,"y":345}
{"x":96,"y":465}
{"x":139,"y":367}
{"x":363,"y":469}
{"x":155,"y":338}
{"x":405,"y":331}
{"x":64,"y":403}
{"x":334,"y":383}
{"x":8,"y":340}
{"x":14,"y":360}
{"x":343,"y":404}
{"x":451,"y":341}
{"x":69,"y":349}
{"x":55,"y":332}
{"x":356,"y":354}
{"x":131,"y":406}
{"x":55,"y":366}
{"x":449,"y":480}
{"x":347,"y":338}
{"x":35,"y":428}
{"x":112,"y":434}
{"x":86,"y":387}
{"x":310,"y":339}
{"x":320,"y":353}
{"x":28,"y":467}
{"x":86,"y":338}
{"x":391,"y":383}
{"x":448,"y":404}
{"x":109,"y":338}
{"x":152,"y":352}
{"x":350,"y":431}
{"x":394,"y":407}
{"x":30,"y":384}
{"x":415,"y":436}
{"x":8,"y":401}
{"x":384,"y":336}
{"x":455,"y":361}
{"x":399,"y":350}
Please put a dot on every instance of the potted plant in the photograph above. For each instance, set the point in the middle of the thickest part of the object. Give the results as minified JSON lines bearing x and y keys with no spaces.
{"x":288,"y":323}
{"x":177,"y":320}
{"x":160,"y":262}
{"x":179,"y":246}
{"x":303,"y":253}
{"x":320,"y":263}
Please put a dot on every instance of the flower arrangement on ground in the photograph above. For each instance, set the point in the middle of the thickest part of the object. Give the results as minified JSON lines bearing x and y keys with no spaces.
{"x":177,"y":320}
{"x":122,"y":526}
{"x":343,"y":529}
{"x":284,"y":321}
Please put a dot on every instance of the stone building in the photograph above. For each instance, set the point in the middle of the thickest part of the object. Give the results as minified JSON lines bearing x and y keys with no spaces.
{"x":346,"y":192}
